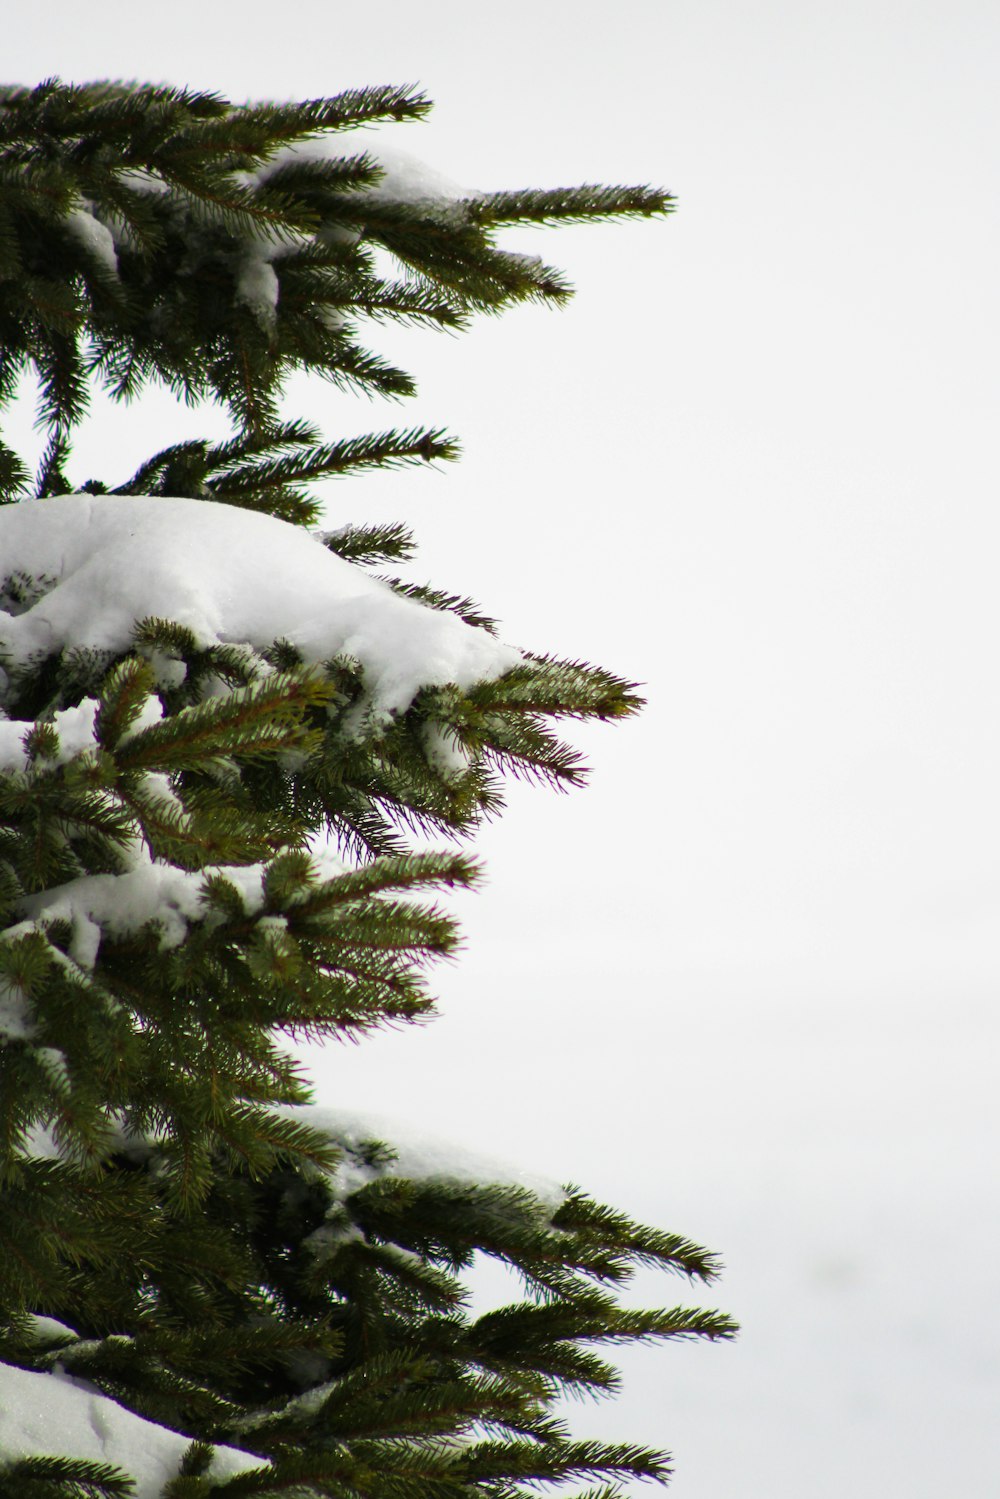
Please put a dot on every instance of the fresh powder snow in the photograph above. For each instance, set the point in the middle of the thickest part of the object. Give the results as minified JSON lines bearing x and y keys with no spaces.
{"x":119,"y":904}
{"x":74,"y":726}
{"x":63,"y":1417}
{"x":405,"y":178}
{"x":103,"y":562}
{"x":417,"y":1155}
{"x":97,"y":238}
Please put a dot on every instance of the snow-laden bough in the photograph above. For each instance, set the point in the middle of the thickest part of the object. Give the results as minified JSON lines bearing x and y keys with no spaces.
{"x":92,"y":566}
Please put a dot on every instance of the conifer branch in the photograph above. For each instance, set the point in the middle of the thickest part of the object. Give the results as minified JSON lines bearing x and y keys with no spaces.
{"x":263,"y":719}
{"x":568,"y":205}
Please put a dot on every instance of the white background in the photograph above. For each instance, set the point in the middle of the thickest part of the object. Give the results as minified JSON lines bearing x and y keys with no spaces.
{"x":744,"y":985}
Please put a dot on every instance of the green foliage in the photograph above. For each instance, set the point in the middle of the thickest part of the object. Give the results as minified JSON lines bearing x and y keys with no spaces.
{"x":61,"y":1478}
{"x":223,"y":1258}
{"x":137,"y":225}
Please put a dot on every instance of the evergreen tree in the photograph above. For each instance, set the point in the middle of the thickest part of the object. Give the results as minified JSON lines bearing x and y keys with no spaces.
{"x":218,"y":744}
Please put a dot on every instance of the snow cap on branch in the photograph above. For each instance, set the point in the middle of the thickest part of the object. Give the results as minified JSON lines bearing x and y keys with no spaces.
{"x":65,"y":1417}
{"x":100,"y":563}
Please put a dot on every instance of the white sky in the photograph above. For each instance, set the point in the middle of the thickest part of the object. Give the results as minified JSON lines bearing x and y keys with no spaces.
{"x":745,"y":984}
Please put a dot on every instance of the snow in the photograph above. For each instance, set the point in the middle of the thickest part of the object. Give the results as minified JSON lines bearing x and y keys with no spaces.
{"x":444,"y":752}
{"x":247,"y":879}
{"x":54,"y":1062}
{"x":85,"y":942}
{"x":95,"y":236}
{"x":74,"y":726}
{"x":168,"y":671}
{"x":120,"y":904}
{"x":416,"y":1155}
{"x":156,"y":786}
{"x":150,"y":713}
{"x":230,"y":576}
{"x":141,"y":181}
{"x":12,"y":752}
{"x":48,"y":1329}
{"x":405,"y":178}
{"x":40,"y":1144}
{"x":64,"y":1418}
{"x":15,"y":1015}
{"x":257,"y":283}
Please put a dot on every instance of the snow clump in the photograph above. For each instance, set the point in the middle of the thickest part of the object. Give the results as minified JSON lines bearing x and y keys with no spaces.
{"x":412,"y":1153}
{"x":63,"y":1417}
{"x":153,"y":893}
{"x":74,"y":726}
{"x":230,"y":576}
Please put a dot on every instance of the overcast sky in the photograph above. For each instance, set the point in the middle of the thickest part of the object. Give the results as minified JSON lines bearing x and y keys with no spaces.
{"x":745,"y":984}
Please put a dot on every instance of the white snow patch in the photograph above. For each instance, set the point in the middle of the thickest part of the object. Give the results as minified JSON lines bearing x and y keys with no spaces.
{"x":12,"y":753}
{"x":86,"y":939}
{"x":169,"y":671}
{"x":46,"y":1328}
{"x":122,"y":904}
{"x":154,"y":892}
{"x":249,"y":881}
{"x":54,"y":1062}
{"x":230,"y":576}
{"x":276,"y":924}
{"x":151,"y":712}
{"x":97,"y":237}
{"x":16,"y":1022}
{"x":141,"y":181}
{"x":405,"y":178}
{"x":418,"y":1156}
{"x":444,"y":752}
{"x":257,"y":284}
{"x":40,"y":1144}
{"x":157,"y":787}
{"x":74,"y":726}
{"x":42,"y":1413}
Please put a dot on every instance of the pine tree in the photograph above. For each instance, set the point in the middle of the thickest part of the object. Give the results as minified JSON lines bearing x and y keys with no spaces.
{"x":223,"y":751}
